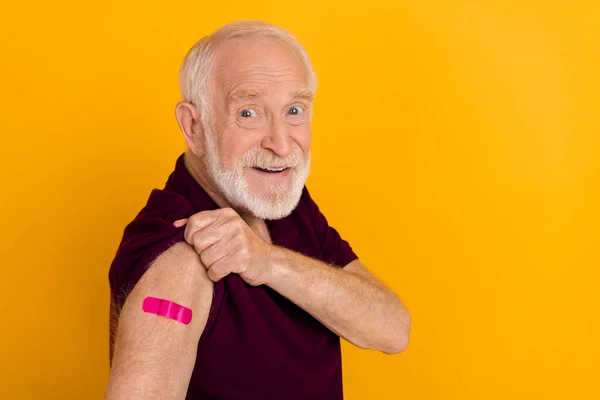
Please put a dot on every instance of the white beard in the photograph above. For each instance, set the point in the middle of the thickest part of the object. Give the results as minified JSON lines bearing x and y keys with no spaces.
{"x":282,"y":198}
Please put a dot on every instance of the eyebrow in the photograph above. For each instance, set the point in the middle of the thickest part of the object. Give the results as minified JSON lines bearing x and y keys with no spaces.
{"x":304,"y":93}
{"x":242,"y":94}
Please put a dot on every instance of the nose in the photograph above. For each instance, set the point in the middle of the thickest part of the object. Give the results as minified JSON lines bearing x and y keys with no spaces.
{"x":277,"y":138}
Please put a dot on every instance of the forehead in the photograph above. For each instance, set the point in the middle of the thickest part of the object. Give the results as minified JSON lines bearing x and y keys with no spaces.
{"x":257,"y":62}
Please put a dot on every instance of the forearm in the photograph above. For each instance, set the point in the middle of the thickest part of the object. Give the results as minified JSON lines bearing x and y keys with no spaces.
{"x":354,"y":306}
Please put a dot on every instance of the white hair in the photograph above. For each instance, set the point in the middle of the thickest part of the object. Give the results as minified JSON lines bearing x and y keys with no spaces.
{"x":197,"y":65}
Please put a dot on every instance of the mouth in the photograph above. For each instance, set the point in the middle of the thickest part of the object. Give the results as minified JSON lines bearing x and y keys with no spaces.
{"x":271,"y":170}
{"x":272,"y":173}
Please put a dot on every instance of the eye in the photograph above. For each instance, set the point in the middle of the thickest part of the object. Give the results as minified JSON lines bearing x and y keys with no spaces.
{"x":248,"y":113}
{"x":296,"y":110}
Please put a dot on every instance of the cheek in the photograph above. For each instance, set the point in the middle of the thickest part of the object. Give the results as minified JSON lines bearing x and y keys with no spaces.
{"x":232,"y":145}
{"x":304,"y":138}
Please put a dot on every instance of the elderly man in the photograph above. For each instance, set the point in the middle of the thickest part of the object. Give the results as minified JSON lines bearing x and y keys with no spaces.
{"x":230,"y":284}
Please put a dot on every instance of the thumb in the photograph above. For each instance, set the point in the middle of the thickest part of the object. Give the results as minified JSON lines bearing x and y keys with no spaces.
{"x":180,"y":222}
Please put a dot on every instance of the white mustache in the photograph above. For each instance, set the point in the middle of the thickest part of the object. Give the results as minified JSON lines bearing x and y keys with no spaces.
{"x":266,"y":159}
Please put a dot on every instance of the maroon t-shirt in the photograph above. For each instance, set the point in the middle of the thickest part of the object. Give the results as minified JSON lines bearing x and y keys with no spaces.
{"x":256,"y":344}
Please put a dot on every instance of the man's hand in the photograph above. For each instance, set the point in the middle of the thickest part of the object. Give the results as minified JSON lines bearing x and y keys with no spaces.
{"x":349,"y":301}
{"x":226,"y":245}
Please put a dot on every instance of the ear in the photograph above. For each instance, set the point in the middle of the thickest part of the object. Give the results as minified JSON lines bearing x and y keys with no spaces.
{"x":189,"y":122}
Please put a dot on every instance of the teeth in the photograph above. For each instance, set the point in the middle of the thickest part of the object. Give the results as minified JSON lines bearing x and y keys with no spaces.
{"x":274,"y":169}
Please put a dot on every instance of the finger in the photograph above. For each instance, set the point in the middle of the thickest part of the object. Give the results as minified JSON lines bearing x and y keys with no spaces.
{"x":220,"y":267}
{"x":200,"y":221}
{"x":180,"y":222}
{"x":217,"y":252}
{"x":206,"y":239}
{"x":215,"y":277}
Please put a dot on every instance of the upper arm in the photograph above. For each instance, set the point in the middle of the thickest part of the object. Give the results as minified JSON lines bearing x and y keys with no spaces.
{"x":155,"y":355}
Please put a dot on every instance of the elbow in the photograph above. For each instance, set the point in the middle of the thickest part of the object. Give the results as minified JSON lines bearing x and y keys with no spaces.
{"x":397,"y":346}
{"x":392,"y":338}
{"x":399,"y":338}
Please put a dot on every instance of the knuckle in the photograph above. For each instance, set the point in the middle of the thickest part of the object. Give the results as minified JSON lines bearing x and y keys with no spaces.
{"x":196,"y":241}
{"x":218,"y":266}
{"x":207,"y":260}
{"x":219,"y":269}
{"x":189,"y":234}
{"x":192,"y":220}
{"x":242,"y":269}
{"x":212,"y":276}
{"x":244,"y":253}
{"x":229,"y":212}
{"x":239,"y":240}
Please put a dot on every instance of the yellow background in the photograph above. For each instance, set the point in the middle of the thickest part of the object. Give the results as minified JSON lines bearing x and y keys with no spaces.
{"x":456,"y":146}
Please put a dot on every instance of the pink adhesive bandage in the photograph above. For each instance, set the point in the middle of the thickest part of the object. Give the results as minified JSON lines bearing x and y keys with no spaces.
{"x":167,"y":309}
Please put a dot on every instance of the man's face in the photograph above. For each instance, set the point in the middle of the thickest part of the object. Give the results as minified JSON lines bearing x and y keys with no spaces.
{"x":259,"y":152}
